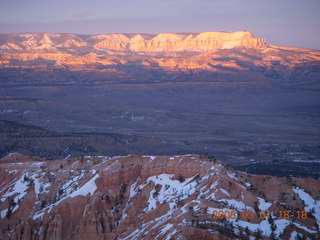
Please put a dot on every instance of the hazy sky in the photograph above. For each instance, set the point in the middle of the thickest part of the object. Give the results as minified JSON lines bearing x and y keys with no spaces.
{"x":281,"y":22}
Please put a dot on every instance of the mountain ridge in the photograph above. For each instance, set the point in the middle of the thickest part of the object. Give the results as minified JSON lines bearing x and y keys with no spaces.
{"x":133,"y":42}
{"x":175,"y":57}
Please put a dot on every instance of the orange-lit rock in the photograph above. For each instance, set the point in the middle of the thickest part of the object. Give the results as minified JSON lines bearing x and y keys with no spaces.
{"x":213,"y":52}
{"x":10,"y":45}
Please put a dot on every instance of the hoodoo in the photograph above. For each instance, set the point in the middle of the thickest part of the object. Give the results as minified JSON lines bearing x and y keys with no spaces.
{"x":149,"y":197}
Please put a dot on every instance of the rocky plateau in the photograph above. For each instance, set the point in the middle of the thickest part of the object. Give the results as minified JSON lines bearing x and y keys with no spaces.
{"x":64,"y":59}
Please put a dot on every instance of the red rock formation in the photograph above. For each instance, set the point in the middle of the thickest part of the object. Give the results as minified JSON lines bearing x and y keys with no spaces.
{"x":136,"y":197}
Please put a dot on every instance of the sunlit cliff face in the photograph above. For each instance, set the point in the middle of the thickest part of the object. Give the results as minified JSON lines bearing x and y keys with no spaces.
{"x":169,"y":42}
{"x":135,"y":42}
{"x":62,"y":46}
{"x":209,"y":52}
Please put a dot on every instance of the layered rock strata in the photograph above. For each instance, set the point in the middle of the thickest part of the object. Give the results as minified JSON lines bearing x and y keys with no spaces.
{"x":149,"y":197}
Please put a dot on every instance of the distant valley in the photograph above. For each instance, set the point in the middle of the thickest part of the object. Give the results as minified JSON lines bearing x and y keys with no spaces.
{"x":250,"y":104}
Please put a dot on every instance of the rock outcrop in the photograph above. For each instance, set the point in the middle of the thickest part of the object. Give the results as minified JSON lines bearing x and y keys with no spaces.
{"x":149,"y":197}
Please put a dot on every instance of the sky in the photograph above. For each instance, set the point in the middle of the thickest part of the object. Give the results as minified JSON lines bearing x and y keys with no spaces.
{"x":280,"y":22}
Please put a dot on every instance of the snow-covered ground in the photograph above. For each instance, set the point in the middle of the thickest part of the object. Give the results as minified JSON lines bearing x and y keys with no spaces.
{"x":311,"y":205}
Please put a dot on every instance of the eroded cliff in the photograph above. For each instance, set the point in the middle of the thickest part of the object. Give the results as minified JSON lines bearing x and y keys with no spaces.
{"x":149,"y":197}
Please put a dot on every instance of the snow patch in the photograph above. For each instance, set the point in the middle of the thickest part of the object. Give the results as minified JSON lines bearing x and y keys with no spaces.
{"x":304,"y":228}
{"x":232,"y":176}
{"x":37,"y":185}
{"x":169,"y":236}
{"x":88,"y":188}
{"x":236,"y":204}
{"x":3,"y":213}
{"x":263,"y":205}
{"x":293,"y":235}
{"x":19,"y":189}
{"x":224,"y":192}
{"x":172,"y":191}
{"x":166,"y":228}
{"x":310,"y":203}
